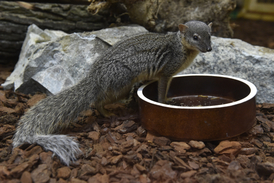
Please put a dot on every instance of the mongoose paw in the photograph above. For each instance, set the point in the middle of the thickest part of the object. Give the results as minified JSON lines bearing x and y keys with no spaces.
{"x":105,"y":112}
{"x":109,"y":115}
{"x":168,"y":101}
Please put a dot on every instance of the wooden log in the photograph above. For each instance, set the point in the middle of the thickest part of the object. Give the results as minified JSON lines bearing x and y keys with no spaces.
{"x":155,"y":15}
{"x":15,"y":17}
{"x":78,"y":2}
{"x":166,"y":15}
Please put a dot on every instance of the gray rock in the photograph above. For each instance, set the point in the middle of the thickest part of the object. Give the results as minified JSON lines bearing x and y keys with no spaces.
{"x":51,"y":61}
{"x":237,"y":58}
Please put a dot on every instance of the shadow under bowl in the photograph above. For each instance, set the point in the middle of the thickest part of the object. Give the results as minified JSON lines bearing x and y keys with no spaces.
{"x":215,"y":107}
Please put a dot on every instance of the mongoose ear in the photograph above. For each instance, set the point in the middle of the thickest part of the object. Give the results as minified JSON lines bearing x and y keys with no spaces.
{"x":182,"y":28}
{"x":210,"y":25}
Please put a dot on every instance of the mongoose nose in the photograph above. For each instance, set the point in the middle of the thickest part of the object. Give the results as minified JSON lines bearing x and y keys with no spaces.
{"x":209,"y":49}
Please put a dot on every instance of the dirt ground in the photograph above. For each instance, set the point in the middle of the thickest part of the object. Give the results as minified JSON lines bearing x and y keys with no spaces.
{"x":120,"y":150}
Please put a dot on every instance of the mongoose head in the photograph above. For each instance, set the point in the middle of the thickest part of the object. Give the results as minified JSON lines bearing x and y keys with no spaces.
{"x":196,"y":35}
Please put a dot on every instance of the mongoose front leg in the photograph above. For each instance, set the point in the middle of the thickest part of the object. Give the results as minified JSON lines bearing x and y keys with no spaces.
{"x":163,"y":86}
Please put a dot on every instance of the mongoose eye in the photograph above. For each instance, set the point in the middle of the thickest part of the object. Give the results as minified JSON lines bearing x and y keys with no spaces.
{"x":195,"y":37}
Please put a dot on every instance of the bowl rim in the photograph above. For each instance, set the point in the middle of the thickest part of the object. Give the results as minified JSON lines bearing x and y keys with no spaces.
{"x":252,"y":94}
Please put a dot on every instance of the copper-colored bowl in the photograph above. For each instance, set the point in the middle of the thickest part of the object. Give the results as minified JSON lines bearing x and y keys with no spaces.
{"x":213,"y":122}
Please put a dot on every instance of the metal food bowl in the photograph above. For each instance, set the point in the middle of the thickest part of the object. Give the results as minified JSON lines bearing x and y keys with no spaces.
{"x":215,"y":107}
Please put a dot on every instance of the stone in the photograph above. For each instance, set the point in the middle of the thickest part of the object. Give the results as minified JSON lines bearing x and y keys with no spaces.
{"x":180,"y":146}
{"x":162,"y":171}
{"x":141,"y":168}
{"x":13,"y":181}
{"x":149,"y":137}
{"x":41,"y":174}
{"x":228,"y":147}
{"x":74,"y":173}
{"x":265,"y":169}
{"x":26,"y":177}
{"x":248,"y":150}
{"x":255,"y":160}
{"x":6,"y":129}
{"x":46,"y":157}
{"x":51,"y":61}
{"x":133,"y":158}
{"x":115,"y":159}
{"x":144,"y":178}
{"x":257,"y":130}
{"x":14,"y":154}
{"x":62,"y":181}
{"x":244,"y":161}
{"x":127,"y":144}
{"x":197,"y":144}
{"x":161,"y":141}
{"x":18,"y":170}
{"x":98,"y":178}
{"x":135,"y":172}
{"x":188,"y":174}
{"x":35,"y":150}
{"x":126,"y":126}
{"x":268,"y":106}
{"x":257,"y":142}
{"x":104,"y":161}
{"x":36,"y":98}
{"x":269,"y":147}
{"x":75,"y":180}
{"x":63,"y":172}
{"x":94,"y":136}
{"x":33,"y":160}
{"x":87,"y":170}
{"x":237,"y":58}
{"x":266,"y":124}
{"x":143,"y":148}
{"x":234,"y":165}
{"x":7,"y":110}
{"x":141,"y":131}
{"x":52,"y":180}
{"x":4,"y":173}
{"x":52,"y":68}
{"x":193,"y":165}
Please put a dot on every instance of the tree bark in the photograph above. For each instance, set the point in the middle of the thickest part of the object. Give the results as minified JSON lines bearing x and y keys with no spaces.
{"x":15,"y":17}
{"x":154,"y":15}
{"x":78,"y":2}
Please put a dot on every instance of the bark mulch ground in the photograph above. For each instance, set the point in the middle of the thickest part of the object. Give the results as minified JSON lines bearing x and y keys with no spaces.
{"x":120,"y":150}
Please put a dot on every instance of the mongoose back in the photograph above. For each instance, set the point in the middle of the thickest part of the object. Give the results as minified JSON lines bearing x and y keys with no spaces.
{"x":148,"y":56}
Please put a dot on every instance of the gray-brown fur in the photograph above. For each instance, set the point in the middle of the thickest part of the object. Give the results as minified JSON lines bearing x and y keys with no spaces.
{"x":148,"y":56}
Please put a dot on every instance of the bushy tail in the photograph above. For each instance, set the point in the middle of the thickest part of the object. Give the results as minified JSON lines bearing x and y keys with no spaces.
{"x":61,"y":145}
{"x":51,"y":115}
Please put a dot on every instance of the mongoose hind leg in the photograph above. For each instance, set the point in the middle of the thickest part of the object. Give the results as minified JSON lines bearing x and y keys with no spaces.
{"x":104,"y":112}
{"x":100,"y":106}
